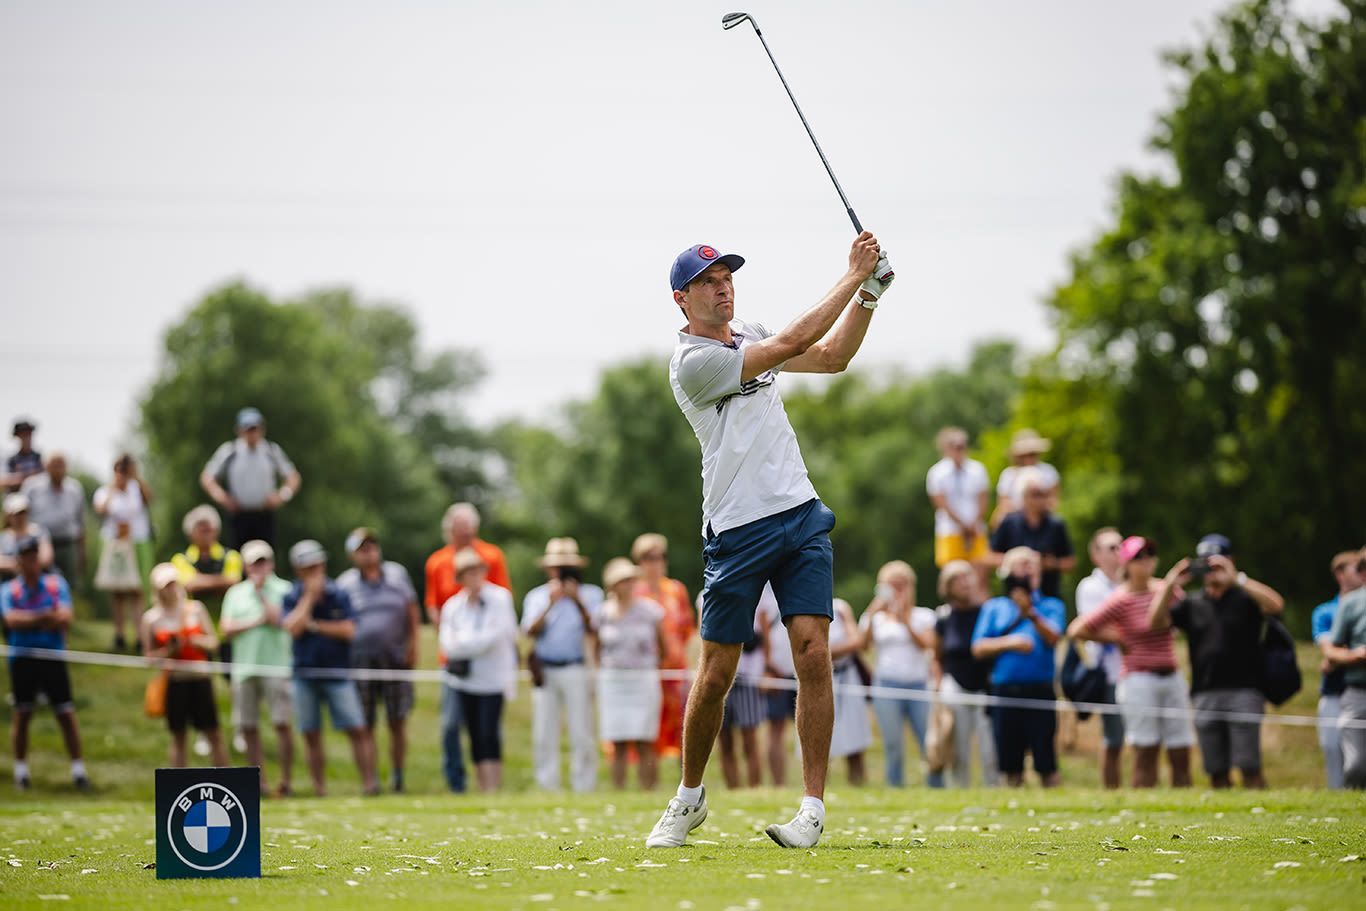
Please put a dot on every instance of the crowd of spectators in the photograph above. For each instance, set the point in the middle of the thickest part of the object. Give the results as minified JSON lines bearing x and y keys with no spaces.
{"x":312,"y":646}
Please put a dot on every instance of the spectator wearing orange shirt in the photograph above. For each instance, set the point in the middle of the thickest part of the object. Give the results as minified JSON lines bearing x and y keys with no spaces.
{"x":651,"y":553}
{"x":460,"y":526}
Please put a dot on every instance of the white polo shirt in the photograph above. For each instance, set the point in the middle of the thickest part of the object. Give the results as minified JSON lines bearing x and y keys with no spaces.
{"x":751,"y":464}
{"x":961,"y":487}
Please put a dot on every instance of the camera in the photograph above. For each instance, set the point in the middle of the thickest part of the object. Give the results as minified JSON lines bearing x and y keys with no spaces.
{"x":1018,"y":583}
{"x":568,"y":573}
{"x":1198,"y":569}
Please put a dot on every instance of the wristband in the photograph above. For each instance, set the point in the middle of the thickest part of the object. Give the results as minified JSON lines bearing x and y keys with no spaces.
{"x":285,"y":494}
{"x":1242,"y":579}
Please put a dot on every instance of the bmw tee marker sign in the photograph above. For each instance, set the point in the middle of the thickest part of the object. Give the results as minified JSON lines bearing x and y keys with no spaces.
{"x":208,"y":823}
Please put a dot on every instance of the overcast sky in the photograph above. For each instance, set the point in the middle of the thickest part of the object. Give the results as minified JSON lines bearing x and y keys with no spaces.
{"x":521,"y":175}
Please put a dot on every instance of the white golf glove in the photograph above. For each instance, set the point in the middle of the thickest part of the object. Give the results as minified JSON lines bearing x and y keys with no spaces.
{"x":877,"y":284}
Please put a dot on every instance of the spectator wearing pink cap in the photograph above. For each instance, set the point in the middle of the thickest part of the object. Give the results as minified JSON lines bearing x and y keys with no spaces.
{"x":1151,"y":693}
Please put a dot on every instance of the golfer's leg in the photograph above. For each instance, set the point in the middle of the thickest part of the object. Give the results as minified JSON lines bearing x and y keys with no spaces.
{"x":810,"y":636}
{"x":706,"y":700}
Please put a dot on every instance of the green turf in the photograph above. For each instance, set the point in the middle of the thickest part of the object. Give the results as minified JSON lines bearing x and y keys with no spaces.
{"x":883,"y":849}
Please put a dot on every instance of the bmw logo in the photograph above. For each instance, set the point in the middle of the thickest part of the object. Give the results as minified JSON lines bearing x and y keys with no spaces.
{"x":207,"y":826}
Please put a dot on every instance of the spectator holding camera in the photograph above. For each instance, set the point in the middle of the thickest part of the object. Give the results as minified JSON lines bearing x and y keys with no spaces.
{"x":561,"y":618}
{"x":1223,"y":626}
{"x":1151,"y":692}
{"x":478,"y":636}
{"x":1019,"y":631}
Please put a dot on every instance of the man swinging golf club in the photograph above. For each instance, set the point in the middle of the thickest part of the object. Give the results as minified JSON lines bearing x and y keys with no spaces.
{"x":762,"y":520}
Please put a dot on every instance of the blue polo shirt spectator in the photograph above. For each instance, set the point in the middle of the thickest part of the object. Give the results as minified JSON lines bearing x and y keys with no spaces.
{"x":49,"y":594}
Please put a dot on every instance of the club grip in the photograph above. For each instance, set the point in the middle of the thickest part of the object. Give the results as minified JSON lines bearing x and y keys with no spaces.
{"x":858,"y":226}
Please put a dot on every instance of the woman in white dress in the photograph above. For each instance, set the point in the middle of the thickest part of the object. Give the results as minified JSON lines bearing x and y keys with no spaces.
{"x":630,"y":646}
{"x":126,"y":544}
{"x":853,"y":732}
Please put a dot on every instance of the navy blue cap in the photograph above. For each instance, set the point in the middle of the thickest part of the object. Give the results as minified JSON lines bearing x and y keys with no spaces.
{"x":27,"y":545}
{"x":249,"y":417}
{"x":693,"y":261}
{"x":1214,"y":545}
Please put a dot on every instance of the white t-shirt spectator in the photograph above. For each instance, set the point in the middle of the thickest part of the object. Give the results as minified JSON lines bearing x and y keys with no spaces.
{"x":483,"y":633}
{"x":751,"y":464}
{"x":1091,"y":594}
{"x":961,"y":487}
{"x":1005,"y":485}
{"x":779,"y":646}
{"x":899,"y":659}
{"x":124,"y":506}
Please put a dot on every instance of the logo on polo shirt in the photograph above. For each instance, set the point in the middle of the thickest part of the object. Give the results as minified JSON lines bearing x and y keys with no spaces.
{"x":207,"y":826}
{"x":707,"y":252}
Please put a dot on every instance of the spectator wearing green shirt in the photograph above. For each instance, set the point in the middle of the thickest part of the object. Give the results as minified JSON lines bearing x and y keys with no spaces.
{"x":1346,"y":648}
{"x":253,"y":619}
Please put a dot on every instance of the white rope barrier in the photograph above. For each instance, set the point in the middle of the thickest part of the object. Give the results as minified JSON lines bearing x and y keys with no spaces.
{"x":438,"y":675}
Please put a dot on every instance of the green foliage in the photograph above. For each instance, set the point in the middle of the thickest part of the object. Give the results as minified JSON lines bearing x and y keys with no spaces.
{"x":1207,"y":373}
{"x":359,"y":409}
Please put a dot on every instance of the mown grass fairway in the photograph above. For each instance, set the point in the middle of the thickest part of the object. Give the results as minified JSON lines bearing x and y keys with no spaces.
{"x":883,"y":849}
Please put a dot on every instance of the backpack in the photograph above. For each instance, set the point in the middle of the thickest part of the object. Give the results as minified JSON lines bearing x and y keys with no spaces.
{"x":16,"y":593}
{"x":1081,"y":683}
{"x":1278,"y":676}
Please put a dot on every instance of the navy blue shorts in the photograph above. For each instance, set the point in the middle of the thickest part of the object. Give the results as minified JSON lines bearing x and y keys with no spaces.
{"x":790,"y":549}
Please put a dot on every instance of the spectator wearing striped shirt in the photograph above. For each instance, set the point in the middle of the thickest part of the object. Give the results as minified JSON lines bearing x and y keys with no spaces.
{"x":1151,"y":694}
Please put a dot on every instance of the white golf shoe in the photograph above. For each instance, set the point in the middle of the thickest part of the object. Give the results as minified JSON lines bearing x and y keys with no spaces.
{"x":802,"y":832}
{"x":678,"y":820}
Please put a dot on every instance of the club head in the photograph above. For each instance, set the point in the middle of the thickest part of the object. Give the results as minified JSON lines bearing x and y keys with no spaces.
{"x":731,"y":20}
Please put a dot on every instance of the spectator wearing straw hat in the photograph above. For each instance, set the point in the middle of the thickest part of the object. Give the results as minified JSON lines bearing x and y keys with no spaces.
{"x":957,"y":672}
{"x":1035,"y":527}
{"x":35,"y":610}
{"x":478,"y":635}
{"x":958,"y":488}
{"x":1019,"y":631}
{"x":25,"y":461}
{"x":385,"y":603}
{"x":319,"y":616}
{"x":1151,"y":692}
{"x":630,"y":648}
{"x":18,"y":526}
{"x":460,"y":528}
{"x":57,"y":502}
{"x":1346,"y":648}
{"x":561,"y":619}
{"x":250,"y":478}
{"x":1105,"y":578}
{"x":1333,"y":682}
{"x":651,"y":554}
{"x":253,"y":620}
{"x":1223,"y":621}
{"x":178,"y":628}
{"x":1026,"y":451}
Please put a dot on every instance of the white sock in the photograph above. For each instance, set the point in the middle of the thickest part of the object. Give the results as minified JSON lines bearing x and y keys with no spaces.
{"x":691,"y":796}
{"x":20,"y":769}
{"x":77,"y":768}
{"x":815,"y":805}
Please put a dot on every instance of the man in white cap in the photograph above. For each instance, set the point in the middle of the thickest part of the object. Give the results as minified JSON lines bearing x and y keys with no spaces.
{"x":250,"y":478}
{"x":18,"y":526}
{"x":253,"y":620}
{"x":761,"y":519}
{"x":560,"y":618}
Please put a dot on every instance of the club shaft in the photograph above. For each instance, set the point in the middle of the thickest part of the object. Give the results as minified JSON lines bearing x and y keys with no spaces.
{"x":858,"y":226}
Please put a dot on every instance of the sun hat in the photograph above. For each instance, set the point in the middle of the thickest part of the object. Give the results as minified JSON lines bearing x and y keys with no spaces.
{"x":617,"y":570}
{"x":1028,"y":441}
{"x":14,"y":503}
{"x":562,"y":552}
{"x":468,"y":559}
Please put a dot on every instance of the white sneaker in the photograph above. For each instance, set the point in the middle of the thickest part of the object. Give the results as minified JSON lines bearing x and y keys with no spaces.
{"x":678,"y":820}
{"x":201,"y":746}
{"x":802,"y":832}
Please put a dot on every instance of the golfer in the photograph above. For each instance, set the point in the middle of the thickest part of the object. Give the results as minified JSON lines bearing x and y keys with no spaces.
{"x":761,"y":519}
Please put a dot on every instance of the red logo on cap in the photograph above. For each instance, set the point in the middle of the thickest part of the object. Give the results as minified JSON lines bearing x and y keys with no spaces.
{"x":706,"y":252}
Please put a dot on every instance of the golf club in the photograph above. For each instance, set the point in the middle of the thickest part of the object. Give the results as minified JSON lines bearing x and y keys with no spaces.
{"x":730,"y":21}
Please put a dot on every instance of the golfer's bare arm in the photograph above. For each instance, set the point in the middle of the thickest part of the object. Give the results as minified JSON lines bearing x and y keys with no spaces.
{"x":802,"y":345}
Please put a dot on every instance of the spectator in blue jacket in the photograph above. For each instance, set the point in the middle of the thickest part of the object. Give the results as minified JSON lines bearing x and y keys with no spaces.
{"x":319,"y":616}
{"x":1334,"y":679}
{"x":1019,"y":631}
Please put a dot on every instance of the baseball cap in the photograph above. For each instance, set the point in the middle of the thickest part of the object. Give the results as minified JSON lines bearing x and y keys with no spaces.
{"x":1214,"y":545}
{"x":249,"y":417}
{"x":307,"y":553}
{"x":22,"y":424}
{"x":358,"y":537}
{"x":28,"y":544}
{"x":15,"y":503}
{"x":1133,"y":546}
{"x":693,"y":261}
{"x":254,"y":551}
{"x":163,"y":574}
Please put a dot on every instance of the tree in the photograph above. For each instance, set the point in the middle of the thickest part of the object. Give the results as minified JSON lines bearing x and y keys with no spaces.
{"x":345,"y":392}
{"x":1211,"y":341}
